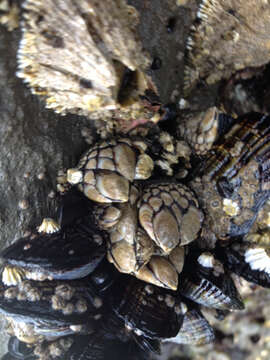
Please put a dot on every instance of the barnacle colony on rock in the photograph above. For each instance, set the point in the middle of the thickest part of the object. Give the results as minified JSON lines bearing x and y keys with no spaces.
{"x":58,"y":292}
{"x":227,"y":36}
{"x":93,"y":64}
{"x":181,"y":237}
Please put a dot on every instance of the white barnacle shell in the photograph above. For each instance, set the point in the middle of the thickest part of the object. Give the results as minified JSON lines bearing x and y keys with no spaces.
{"x":206,"y":260}
{"x":258,"y":259}
{"x":229,"y":36}
{"x":77,"y":54}
{"x":74,"y":176}
{"x":12,"y":275}
{"x":230,"y":207}
{"x":48,"y":226}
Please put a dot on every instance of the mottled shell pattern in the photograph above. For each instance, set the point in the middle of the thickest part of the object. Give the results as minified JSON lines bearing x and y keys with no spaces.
{"x":233,"y":181}
{"x":106,"y":76}
{"x":240,"y":40}
{"x":148,"y":225}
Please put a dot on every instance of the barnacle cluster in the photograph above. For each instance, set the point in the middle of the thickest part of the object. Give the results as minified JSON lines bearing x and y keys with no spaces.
{"x":240,"y":41}
{"x":151,"y":224}
{"x":101,"y":79}
{"x":181,"y":239}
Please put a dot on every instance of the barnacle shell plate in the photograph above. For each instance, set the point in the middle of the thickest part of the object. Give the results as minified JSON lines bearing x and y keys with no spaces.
{"x":106,"y":170}
{"x":170,"y":214}
{"x":80,"y":66}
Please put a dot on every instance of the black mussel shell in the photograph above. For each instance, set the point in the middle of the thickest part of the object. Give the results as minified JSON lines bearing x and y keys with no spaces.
{"x":113,"y":326}
{"x":98,"y":347}
{"x":52,"y":304}
{"x":239,"y":157}
{"x":206,"y":287}
{"x":7,"y":356}
{"x":146,"y":309}
{"x":146,"y":344}
{"x":195,"y":329}
{"x":19,"y":350}
{"x":236,"y":263}
{"x":73,"y":205}
{"x":73,"y":252}
{"x":104,"y":276}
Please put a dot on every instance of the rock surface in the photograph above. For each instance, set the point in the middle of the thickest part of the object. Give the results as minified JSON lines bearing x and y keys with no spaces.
{"x":36,"y":143}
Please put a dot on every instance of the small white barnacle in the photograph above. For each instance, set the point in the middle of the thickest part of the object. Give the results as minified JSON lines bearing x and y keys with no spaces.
{"x":74,"y":176}
{"x":68,"y":309}
{"x":81,"y":306}
{"x":48,"y":226}
{"x":149,"y":289}
{"x":25,"y":286}
{"x":97,"y":239}
{"x":64,"y":291}
{"x":21,"y":296}
{"x":138,"y":332}
{"x":12,"y":275}
{"x":128,"y":326}
{"x":181,"y":308}
{"x":217,"y":46}
{"x":66,"y":342}
{"x":258,"y":259}
{"x":206,"y":260}
{"x":33,"y":295}
{"x":58,"y":302}
{"x":76,"y":328}
{"x":55,"y":350}
{"x":11,"y":293}
{"x":230,"y":207}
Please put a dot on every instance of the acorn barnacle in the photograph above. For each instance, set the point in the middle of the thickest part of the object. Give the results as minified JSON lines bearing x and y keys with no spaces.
{"x":241,"y":40}
{"x":106,"y":78}
{"x":151,"y":224}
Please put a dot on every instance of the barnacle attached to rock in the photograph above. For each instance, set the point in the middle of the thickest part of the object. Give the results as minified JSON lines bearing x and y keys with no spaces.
{"x":227,"y":36}
{"x":88,"y":61}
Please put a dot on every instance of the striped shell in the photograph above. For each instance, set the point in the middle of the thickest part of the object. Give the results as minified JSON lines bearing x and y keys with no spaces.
{"x":205,"y":282}
{"x":233,"y":182}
